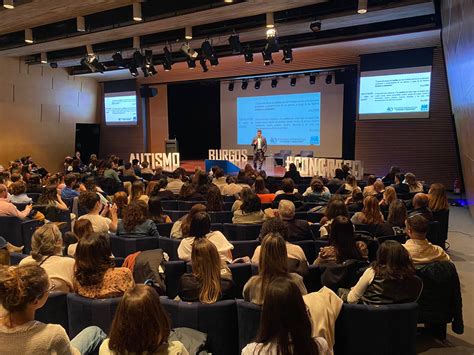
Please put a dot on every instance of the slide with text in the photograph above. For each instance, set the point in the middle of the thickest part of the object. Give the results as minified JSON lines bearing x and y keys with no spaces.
{"x":292,"y":119}
{"x":121,"y":109}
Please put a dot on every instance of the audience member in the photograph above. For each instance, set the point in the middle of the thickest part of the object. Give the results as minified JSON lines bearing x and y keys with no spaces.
{"x":33,"y":186}
{"x":298,"y":229}
{"x":146,"y":169}
{"x":188,"y":193}
{"x":205,"y":283}
{"x":8,"y":209}
{"x":46,"y":251}
{"x":413,"y":184}
{"x":356,"y":202}
{"x":342,"y":245}
{"x":420,"y":206}
{"x":200,"y":227}
{"x":390,"y":279}
{"x":90,"y":201}
{"x":94,"y":274}
{"x":135,"y":222}
{"x":389,"y":196}
{"x":336,"y":207}
{"x":370,"y":214}
{"x":110,"y":172}
{"x":155,"y":211}
{"x":201,"y":183}
{"x":292,"y":173}
{"x":338,"y":178}
{"x":379,"y":189}
{"x":285,"y":327}
{"x":139,"y":306}
{"x":390,"y":177}
{"x":250,"y":211}
{"x":18,"y":193}
{"x":70,"y":191}
{"x":138,"y":192}
{"x":232,"y":188}
{"x":317,"y":192}
{"x":4,"y":252}
{"x":128,"y":171}
{"x":273,"y":263}
{"x":348,"y":186}
{"x":82,"y":229}
{"x":289,"y":193}
{"x":438,"y":201}
{"x":160,"y":191}
{"x":399,"y":185}
{"x":259,"y":186}
{"x":420,"y":249}
{"x":182,"y":226}
{"x":176,"y":181}
{"x":120,"y":199}
{"x":214,"y":199}
{"x":219,"y":178}
{"x":395,"y":224}
{"x":52,"y":197}
{"x":369,"y":189}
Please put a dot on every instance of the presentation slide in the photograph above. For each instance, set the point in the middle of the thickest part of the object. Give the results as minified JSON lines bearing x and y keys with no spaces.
{"x":292,"y":119}
{"x":121,"y":108}
{"x":398,"y":93}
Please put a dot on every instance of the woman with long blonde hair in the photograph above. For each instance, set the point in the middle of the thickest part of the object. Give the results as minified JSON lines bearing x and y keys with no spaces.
{"x":389,"y":195}
{"x":438,"y":201}
{"x":370,"y":213}
{"x":204,"y":283}
{"x":138,"y":192}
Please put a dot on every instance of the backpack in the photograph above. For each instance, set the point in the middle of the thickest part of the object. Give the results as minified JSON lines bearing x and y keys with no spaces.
{"x":149,"y":269}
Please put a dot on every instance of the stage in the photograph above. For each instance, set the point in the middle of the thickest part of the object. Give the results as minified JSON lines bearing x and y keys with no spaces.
{"x":270,"y":169}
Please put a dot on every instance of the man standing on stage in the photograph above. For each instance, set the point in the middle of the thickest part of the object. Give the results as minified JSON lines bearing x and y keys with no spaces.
{"x":259,"y":144}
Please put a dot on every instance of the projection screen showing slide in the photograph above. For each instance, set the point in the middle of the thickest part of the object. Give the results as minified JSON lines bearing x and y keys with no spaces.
{"x":303,"y":117}
{"x":395,"y":93}
{"x":120,"y":108}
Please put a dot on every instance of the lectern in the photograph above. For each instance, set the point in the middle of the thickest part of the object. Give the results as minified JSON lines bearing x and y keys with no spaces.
{"x":171,"y":146}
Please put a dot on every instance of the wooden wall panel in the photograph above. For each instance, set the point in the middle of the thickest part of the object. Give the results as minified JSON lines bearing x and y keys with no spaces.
{"x":458,"y":42}
{"x":158,"y":120}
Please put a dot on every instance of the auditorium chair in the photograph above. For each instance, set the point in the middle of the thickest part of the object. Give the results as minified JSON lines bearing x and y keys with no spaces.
{"x":280,"y":158}
{"x":118,"y":261}
{"x":442,"y":217}
{"x":248,"y":317}
{"x":169,"y":246}
{"x":244,"y":248}
{"x":18,"y":231}
{"x":84,"y":312}
{"x":312,"y":280}
{"x":333,"y":188}
{"x":221,"y":216}
{"x":434,"y":236}
{"x":314,"y":217}
{"x":367,"y":228}
{"x":306,"y":154}
{"x":315,"y":230}
{"x":401,"y":238}
{"x":175,"y":214}
{"x":164,"y":229}
{"x":309,"y":248}
{"x":34,"y":196}
{"x":217,"y":227}
{"x":242,"y":231}
{"x":124,"y":245}
{"x":228,"y":206}
{"x":218,"y":321}
{"x":169,"y":205}
{"x":228,"y":198}
{"x":54,"y":310}
{"x":173,"y":272}
{"x":15,"y":258}
{"x":301,"y":215}
{"x":20,"y":206}
{"x":374,"y":330}
{"x":187,"y":205}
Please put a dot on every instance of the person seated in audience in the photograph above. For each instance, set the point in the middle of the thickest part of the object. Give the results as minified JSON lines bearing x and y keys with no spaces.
{"x":289,"y":193}
{"x":182,"y":226}
{"x":188,"y":193}
{"x":245,"y":178}
{"x":298,"y":229}
{"x":259,"y":186}
{"x":295,"y":252}
{"x":8,"y":209}
{"x":205,"y":283}
{"x":110,"y":172}
{"x":70,"y":191}
{"x":91,"y":203}
{"x":232,"y":188}
{"x":420,"y":249}
{"x":128,"y":171}
{"x":369,"y":189}
{"x":292,"y":173}
{"x":250,"y":211}
{"x":155,"y":211}
{"x":120,"y":199}
{"x":46,"y":251}
{"x":201,"y":183}
{"x":379,"y":189}
{"x":317,"y":192}
{"x":200,"y":227}
{"x":4,"y":252}
{"x":146,"y":169}
{"x":160,"y":191}
{"x":370,"y":214}
{"x":214,"y":199}
{"x":240,"y":197}
{"x":338,"y":178}
{"x":391,"y":279}
{"x":273,"y":263}
{"x":389,"y":196}
{"x":175,"y":182}
{"x":395,"y":224}
{"x":420,"y":206}
{"x":285,"y":326}
{"x":24,"y":290}
{"x":34,"y":185}
{"x":136,"y":167}
{"x":399,"y":185}
{"x":390,"y":177}
{"x":138,"y":192}
{"x":438,"y":201}
{"x":219,"y":178}
{"x":158,"y":175}
{"x":94,"y":273}
{"x":336,"y":207}
{"x":413,"y":184}
{"x":141,"y":305}
{"x":135,"y":222}
{"x":18,"y":193}
{"x":90,"y":185}
{"x":52,"y":197}
{"x":348,"y":186}
{"x":82,"y":229}
{"x":356,"y":202}
{"x":342,"y":245}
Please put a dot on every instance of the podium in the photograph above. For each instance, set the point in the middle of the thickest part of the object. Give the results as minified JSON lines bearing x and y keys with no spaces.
{"x":227,"y":166}
{"x":171,"y":146}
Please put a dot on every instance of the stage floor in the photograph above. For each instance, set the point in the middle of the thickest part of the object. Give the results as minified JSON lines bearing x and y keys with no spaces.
{"x":191,"y":165}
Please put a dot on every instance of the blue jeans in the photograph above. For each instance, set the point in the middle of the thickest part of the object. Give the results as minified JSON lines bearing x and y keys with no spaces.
{"x":89,"y":340}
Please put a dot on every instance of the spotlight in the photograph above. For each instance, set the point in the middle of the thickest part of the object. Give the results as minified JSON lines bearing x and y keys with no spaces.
{"x":188,"y":33}
{"x":287,"y":55}
{"x":202,"y":61}
{"x":362,"y":8}
{"x":248,"y":55}
{"x":245,"y":83}
{"x":293,"y":81}
{"x":92,"y":62}
{"x":133,"y":68}
{"x":148,"y":63}
{"x":312,"y":79}
{"x":274,"y":83}
{"x":329,"y":79}
{"x":214,"y":61}
{"x":315,"y":26}
{"x":137,"y":11}
{"x":228,"y":1}
{"x":28,"y":36}
{"x":53,"y":65}
{"x":257,"y":84}
{"x":44,"y":58}
{"x":209,"y":52}
{"x":80,"y":24}
{"x":231,"y":86}
{"x":167,"y":60}
{"x":118,"y":60}
{"x":191,"y":63}
{"x":272,"y":40}
{"x":235,"y":44}
{"x":267,"y":55}
{"x":9,"y":4}
{"x":139,"y":59}
{"x":186,"y":49}
{"x":270,"y":20}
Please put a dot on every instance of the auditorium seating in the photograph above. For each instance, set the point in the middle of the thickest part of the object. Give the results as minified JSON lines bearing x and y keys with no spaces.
{"x":221,"y":216}
{"x":34,"y":196}
{"x":124,"y":245}
{"x":187,"y":205}
{"x":279,"y":158}
{"x":248,"y":317}
{"x":434,"y":234}
{"x":244,"y":248}
{"x":169,"y":246}
{"x":242,"y":231}
{"x":18,"y":232}
{"x":175,"y":214}
{"x":173,"y":272}
{"x":442,"y":217}
{"x":164,"y":229}
{"x":15,"y":258}
{"x":169,"y":205}
{"x":55,"y":310}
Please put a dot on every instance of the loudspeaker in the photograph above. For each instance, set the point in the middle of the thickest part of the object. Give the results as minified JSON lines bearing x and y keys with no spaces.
{"x":87,"y":140}
{"x":146,"y":91}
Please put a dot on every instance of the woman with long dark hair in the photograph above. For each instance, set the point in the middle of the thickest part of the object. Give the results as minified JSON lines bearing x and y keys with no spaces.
{"x":336,"y":207}
{"x":155,"y":211}
{"x":285,"y":327}
{"x":395,"y":224}
{"x":182,"y":226}
{"x":250,"y":211}
{"x":214,"y":199}
{"x":135,"y":221}
{"x":52,"y":197}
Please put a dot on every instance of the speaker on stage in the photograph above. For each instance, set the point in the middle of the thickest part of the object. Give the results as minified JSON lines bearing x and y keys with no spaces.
{"x":146,"y":91}
{"x":87,"y":140}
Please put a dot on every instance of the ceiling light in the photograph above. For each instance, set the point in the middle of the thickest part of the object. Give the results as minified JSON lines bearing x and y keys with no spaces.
{"x":149,"y":62}
{"x":274,"y":83}
{"x":118,"y":60}
{"x":44,"y":58}
{"x":329,"y":79}
{"x":362,"y":8}
{"x":138,"y":59}
{"x":28,"y":36}
{"x":248,"y":55}
{"x":272,"y":40}
{"x":231,"y":86}
{"x":293,"y":81}
{"x":92,"y":62}
{"x":9,"y":4}
{"x":287,"y":55}
{"x":137,"y":11}
{"x":167,"y":60}
{"x":228,"y":1}
{"x":186,"y":49}
{"x":235,"y":44}
{"x":80,"y":24}
{"x":133,"y":68}
{"x":267,"y":55}
{"x":312,"y":79}
{"x":245,"y":83}
{"x":257,"y":84}
{"x":191,"y":63}
{"x":270,"y":20}
{"x":202,"y":61}
{"x":209,"y":52}
{"x":315,"y":26}
{"x":188,"y":32}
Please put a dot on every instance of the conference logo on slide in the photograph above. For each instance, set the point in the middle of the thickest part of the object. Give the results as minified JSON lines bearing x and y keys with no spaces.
{"x":314,"y":140}
{"x":424,"y":107}
{"x":389,"y":109}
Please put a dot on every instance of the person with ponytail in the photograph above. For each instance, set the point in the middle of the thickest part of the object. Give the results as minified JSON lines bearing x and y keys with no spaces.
{"x":46,"y":251}
{"x":23,"y":290}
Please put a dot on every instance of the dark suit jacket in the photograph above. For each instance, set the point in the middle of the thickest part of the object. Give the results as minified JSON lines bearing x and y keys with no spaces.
{"x":264,"y":144}
{"x":298,"y":229}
